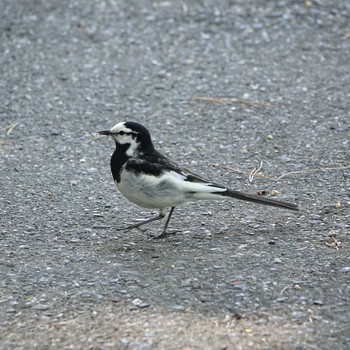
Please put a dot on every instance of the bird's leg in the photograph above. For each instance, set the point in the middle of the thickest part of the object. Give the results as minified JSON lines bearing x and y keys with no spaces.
{"x":158,"y":217}
{"x":165,"y":232}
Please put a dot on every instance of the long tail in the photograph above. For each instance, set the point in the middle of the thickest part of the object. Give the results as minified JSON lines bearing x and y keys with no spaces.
{"x":257,"y":199}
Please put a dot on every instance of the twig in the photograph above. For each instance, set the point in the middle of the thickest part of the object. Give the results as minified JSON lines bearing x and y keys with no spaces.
{"x":227,"y":167}
{"x":335,"y":243}
{"x":256,"y":174}
{"x":9,"y":128}
{"x":184,"y":7}
{"x":286,"y":287}
{"x":315,"y":170}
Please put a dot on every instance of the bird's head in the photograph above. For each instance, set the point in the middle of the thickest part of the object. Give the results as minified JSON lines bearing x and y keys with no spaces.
{"x":135,"y":137}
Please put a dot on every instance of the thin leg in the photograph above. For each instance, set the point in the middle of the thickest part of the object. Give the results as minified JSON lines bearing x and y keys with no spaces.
{"x":158,"y":217}
{"x":164,"y":233}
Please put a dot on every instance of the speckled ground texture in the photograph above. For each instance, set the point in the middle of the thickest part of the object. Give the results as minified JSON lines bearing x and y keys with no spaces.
{"x":223,"y":86}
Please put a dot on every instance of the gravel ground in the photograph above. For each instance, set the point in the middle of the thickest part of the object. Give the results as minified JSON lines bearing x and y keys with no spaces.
{"x":223,"y":86}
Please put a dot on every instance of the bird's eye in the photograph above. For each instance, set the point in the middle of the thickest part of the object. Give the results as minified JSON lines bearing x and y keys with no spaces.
{"x":121,"y":132}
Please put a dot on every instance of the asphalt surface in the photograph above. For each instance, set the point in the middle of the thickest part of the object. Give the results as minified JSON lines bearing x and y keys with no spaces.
{"x":222,"y":86}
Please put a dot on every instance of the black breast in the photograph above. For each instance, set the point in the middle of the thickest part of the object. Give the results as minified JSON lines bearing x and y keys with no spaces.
{"x":118,"y":159}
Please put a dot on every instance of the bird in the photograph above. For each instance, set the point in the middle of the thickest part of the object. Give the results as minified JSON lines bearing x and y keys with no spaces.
{"x":151,"y":180}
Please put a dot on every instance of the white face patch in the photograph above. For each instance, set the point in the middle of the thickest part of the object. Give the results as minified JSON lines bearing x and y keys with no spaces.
{"x":123,"y":135}
{"x":132,"y":150}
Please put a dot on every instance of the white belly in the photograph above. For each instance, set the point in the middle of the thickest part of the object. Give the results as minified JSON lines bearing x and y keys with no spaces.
{"x":150,"y":192}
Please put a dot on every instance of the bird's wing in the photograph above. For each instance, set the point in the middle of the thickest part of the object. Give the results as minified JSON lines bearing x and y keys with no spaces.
{"x":167,"y":164}
{"x":143,"y":166}
{"x":156,"y":164}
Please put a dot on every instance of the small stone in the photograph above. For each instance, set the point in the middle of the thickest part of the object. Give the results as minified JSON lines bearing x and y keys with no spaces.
{"x":178,"y":308}
{"x":318,"y":302}
{"x":298,"y":314}
{"x":345,"y":269}
{"x":332,"y":233}
{"x":139,"y":303}
{"x":41,"y":307}
{"x":281,"y":299}
{"x":10,"y":311}
{"x":125,"y":341}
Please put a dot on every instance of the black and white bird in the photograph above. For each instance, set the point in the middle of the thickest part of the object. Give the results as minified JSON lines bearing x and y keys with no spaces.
{"x":151,"y":180}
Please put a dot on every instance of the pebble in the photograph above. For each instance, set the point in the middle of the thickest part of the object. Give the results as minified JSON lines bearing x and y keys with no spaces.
{"x":139,"y":303}
{"x":298,"y":314}
{"x":41,"y":307}
{"x":10,"y":311}
{"x":178,"y":307}
{"x":281,"y":299}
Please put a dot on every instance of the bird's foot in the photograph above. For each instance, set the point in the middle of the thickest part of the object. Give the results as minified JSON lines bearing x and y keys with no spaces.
{"x":140,"y":223}
{"x":129,"y":227}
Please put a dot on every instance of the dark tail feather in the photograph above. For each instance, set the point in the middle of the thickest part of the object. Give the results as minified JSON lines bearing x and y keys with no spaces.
{"x":258,"y":199}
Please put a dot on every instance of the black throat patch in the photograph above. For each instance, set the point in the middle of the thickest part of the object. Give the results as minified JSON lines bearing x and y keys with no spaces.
{"x":118,"y":159}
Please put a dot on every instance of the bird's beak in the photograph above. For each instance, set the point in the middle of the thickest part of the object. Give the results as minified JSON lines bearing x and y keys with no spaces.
{"x":105,"y":132}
